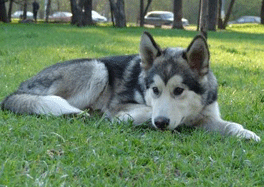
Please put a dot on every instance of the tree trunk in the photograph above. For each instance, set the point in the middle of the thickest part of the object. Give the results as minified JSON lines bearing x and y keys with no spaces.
{"x":147,"y":7}
{"x":48,"y":11}
{"x":76,"y":13}
{"x":141,"y":13}
{"x":199,"y":14}
{"x":81,"y":12}
{"x":10,"y":10}
{"x":87,"y":15}
{"x":121,"y":9}
{"x":177,"y":10}
{"x":220,"y":21}
{"x":212,"y":15}
{"x":228,"y":13}
{"x":204,"y":17}
{"x":3,"y":16}
{"x":262,"y":13}
{"x":112,"y":13}
{"x":119,"y":12}
{"x":25,"y":10}
{"x":58,"y":5}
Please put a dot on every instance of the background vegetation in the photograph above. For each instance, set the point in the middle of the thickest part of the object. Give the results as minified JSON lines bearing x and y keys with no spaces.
{"x":80,"y":151}
{"x":190,"y":8}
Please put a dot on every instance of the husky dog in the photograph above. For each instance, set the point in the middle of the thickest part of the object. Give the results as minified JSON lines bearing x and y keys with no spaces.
{"x":170,"y":87}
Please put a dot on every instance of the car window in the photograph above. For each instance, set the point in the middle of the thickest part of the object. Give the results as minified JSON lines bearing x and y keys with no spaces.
{"x":154,"y":16}
{"x":247,"y":19}
{"x":168,"y":15}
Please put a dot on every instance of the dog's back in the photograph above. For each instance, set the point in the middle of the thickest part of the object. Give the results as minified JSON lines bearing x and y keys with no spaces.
{"x":72,"y":86}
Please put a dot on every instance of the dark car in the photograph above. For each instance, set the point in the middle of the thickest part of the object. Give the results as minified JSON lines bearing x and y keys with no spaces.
{"x":246,"y":19}
{"x":159,"y":18}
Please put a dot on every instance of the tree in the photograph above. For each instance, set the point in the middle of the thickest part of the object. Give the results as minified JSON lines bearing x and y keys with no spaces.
{"x":76,"y":13}
{"x":25,"y":10}
{"x":10,"y":10}
{"x":177,"y":10}
{"x":212,"y":15}
{"x":143,"y":12}
{"x":81,"y":12}
{"x":229,"y":10}
{"x":262,"y":12}
{"x":141,"y":15}
{"x":219,"y":19}
{"x":118,"y":9}
{"x":203,"y":17}
{"x":87,"y":14}
{"x":147,"y":7}
{"x":3,"y":16}
{"x":48,"y":11}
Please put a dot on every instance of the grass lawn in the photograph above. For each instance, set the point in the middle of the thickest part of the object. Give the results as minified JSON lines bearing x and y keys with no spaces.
{"x":78,"y":151}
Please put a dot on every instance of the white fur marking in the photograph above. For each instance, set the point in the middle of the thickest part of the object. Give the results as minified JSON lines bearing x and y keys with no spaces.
{"x":56,"y":106}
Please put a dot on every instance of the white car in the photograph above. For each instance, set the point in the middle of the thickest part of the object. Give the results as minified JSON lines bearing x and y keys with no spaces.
{"x":98,"y":17}
{"x":19,"y":13}
{"x":159,"y":18}
{"x":61,"y":17}
{"x":246,"y":19}
{"x":66,"y":17}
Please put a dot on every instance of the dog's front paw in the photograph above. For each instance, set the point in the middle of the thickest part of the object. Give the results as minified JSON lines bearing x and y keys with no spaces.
{"x":239,"y":131}
{"x":247,"y":134}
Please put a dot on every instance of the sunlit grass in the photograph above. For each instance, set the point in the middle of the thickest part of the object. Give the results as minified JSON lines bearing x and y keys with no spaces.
{"x":78,"y":151}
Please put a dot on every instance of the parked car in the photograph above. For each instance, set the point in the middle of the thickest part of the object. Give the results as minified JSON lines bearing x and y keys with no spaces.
{"x":159,"y":18}
{"x":19,"y":14}
{"x":66,"y":17}
{"x":245,"y":19}
{"x":61,"y":17}
{"x":98,"y":18}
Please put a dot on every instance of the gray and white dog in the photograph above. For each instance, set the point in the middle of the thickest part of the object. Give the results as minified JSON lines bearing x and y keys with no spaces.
{"x":172,"y":87}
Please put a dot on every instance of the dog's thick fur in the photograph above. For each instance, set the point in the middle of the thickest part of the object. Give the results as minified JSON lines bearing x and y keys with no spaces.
{"x":172,"y":87}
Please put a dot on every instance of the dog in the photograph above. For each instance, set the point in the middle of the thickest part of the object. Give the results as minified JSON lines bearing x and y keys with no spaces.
{"x":170,"y":88}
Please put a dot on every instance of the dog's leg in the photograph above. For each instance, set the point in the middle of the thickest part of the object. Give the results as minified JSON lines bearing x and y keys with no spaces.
{"x":212,"y":121}
{"x":138,"y":113}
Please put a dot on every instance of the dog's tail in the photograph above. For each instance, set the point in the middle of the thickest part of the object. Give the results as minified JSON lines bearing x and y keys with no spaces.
{"x":23,"y":103}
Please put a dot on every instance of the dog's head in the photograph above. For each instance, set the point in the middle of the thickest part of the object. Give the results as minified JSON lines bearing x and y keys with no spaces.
{"x":175,"y":79}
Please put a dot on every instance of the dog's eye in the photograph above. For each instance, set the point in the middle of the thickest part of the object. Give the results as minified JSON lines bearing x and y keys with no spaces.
{"x":178,"y":91}
{"x":155,"y":90}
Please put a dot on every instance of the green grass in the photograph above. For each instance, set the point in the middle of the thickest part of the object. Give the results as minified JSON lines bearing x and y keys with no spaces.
{"x":78,"y":151}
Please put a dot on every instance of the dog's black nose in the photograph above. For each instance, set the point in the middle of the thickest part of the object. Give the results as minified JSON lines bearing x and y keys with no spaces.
{"x":161,"y":122}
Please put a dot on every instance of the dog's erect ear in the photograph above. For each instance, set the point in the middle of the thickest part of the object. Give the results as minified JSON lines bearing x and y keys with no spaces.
{"x":149,"y":50}
{"x":198,"y":55}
